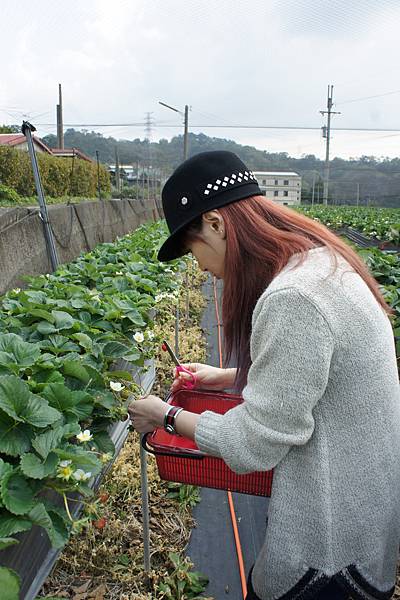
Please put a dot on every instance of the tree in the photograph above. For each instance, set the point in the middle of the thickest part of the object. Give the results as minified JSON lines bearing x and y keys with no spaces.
{"x":10,"y":129}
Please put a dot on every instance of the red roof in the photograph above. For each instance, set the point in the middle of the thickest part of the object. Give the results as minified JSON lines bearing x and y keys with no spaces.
{"x":15,"y":139}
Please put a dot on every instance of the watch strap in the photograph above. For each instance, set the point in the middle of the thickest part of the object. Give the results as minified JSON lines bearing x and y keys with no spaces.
{"x":169,"y":418}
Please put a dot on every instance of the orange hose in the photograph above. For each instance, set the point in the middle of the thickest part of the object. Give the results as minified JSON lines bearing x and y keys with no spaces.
{"x":230,"y":499}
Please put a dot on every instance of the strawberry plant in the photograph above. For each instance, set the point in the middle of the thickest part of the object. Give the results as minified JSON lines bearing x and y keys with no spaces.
{"x":379,"y":223}
{"x":59,"y":390}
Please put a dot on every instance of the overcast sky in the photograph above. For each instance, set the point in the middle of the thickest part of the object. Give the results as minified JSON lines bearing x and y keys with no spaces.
{"x":234,"y":62}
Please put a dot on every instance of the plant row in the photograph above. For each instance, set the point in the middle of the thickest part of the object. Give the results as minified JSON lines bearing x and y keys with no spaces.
{"x":386,"y":270}
{"x":59,"y":390}
{"x":108,"y":556}
{"x":60,"y":176}
{"x":378,"y":223}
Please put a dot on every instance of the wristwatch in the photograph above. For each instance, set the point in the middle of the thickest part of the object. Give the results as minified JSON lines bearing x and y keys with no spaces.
{"x":169,"y":418}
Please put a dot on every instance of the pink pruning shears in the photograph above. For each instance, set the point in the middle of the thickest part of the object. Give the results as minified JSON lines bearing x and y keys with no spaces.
{"x":188,"y":384}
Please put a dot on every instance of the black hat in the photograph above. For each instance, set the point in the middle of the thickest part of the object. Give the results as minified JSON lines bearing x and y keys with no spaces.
{"x":203,"y":182}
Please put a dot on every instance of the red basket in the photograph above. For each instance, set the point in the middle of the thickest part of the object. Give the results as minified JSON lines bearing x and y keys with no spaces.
{"x":179,"y":459}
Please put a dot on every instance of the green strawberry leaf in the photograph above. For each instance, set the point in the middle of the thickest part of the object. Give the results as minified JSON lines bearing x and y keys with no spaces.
{"x":63,"y":320}
{"x":15,"y":438}
{"x":15,"y":352}
{"x":41,"y":314}
{"x":73,"y":368}
{"x":17,"y":494}
{"x":17,"y":401}
{"x":9,"y":584}
{"x":59,"y":531}
{"x":84,"y":340}
{"x":34,"y":468}
{"x":46,"y":442}
{"x":5,"y":542}
{"x":115,"y":350}
{"x":77,"y":403}
{"x":104,"y":442}
{"x":10,"y":524}
{"x":4,"y":469}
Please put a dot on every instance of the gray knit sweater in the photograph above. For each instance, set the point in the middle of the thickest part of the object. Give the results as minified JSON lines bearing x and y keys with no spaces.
{"x":322,"y":408}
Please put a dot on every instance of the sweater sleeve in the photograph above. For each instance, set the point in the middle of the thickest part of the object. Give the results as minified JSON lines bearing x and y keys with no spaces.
{"x":291,"y":350}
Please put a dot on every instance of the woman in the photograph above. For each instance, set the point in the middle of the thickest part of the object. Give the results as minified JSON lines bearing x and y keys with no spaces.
{"x":317,"y":369}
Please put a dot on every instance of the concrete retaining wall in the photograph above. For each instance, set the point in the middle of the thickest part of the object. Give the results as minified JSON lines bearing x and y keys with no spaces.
{"x":77,"y":228}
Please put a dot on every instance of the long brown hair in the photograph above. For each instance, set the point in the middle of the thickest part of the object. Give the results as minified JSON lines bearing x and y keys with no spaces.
{"x":261,"y":237}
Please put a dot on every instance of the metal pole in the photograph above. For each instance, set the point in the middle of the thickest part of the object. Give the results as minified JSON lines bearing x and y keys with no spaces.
{"x":177,"y":315}
{"x":117,"y":172}
{"x":144,"y":486}
{"x":186,"y":132}
{"x":98,"y":174}
{"x":145,"y":508}
{"x":60,"y":126}
{"x":27,"y":129}
{"x":313,"y":190}
{"x":358,"y":194}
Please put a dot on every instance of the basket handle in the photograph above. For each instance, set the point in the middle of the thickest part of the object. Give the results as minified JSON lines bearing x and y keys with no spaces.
{"x":146,"y":446}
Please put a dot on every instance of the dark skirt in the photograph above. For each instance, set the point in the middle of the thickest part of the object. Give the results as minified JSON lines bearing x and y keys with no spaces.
{"x":332,"y":591}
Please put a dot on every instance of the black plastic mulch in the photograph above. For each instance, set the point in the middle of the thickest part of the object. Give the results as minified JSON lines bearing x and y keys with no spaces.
{"x":212,"y":546}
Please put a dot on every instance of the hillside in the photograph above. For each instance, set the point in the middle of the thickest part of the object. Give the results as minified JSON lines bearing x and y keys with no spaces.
{"x":378,"y":180}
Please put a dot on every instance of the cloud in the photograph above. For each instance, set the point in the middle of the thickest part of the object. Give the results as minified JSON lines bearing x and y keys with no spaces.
{"x":234,"y":61}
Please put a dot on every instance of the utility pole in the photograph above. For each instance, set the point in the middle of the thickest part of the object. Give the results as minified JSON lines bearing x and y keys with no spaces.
{"x":60,"y":126}
{"x":313,"y":189}
{"x":117,"y":172}
{"x":98,"y":174}
{"x":326,"y":133}
{"x":185,"y":135}
{"x":186,"y":126}
{"x":358,"y":194}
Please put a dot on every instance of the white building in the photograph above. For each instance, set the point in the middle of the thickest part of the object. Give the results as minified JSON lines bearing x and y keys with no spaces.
{"x":281,"y":186}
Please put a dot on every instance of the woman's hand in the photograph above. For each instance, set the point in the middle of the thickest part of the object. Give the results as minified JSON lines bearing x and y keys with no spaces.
{"x":207,"y":377}
{"x":147,"y":413}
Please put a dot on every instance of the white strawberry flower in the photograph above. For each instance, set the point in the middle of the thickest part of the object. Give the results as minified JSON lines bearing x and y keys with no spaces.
{"x":138,"y":337}
{"x":150,"y":334}
{"x":80,"y":475}
{"x":84,"y":436}
{"x":64,"y":463}
{"x":119,"y":273}
{"x":16,"y":290}
{"x":116,"y":386}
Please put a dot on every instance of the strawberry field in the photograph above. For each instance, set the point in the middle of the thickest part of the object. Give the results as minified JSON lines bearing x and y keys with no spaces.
{"x":65,"y":343}
{"x":379,"y":223}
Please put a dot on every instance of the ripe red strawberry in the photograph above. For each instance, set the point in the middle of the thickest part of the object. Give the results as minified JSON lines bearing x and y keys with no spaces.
{"x":164,"y":347}
{"x":100,"y":523}
{"x":103,"y":498}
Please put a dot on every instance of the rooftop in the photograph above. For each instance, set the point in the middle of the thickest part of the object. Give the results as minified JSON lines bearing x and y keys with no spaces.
{"x":15,"y":139}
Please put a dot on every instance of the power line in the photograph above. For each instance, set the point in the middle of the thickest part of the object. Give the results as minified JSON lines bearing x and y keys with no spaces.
{"x":224,"y":126}
{"x":368,"y":97}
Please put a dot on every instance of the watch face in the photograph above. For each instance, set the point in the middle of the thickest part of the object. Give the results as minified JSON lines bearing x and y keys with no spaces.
{"x":170,"y":429}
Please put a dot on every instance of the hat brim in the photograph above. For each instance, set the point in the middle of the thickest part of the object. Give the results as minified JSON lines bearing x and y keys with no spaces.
{"x":172,"y":249}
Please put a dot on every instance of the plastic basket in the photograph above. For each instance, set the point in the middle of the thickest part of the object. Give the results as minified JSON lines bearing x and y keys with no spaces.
{"x":180,"y":460}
